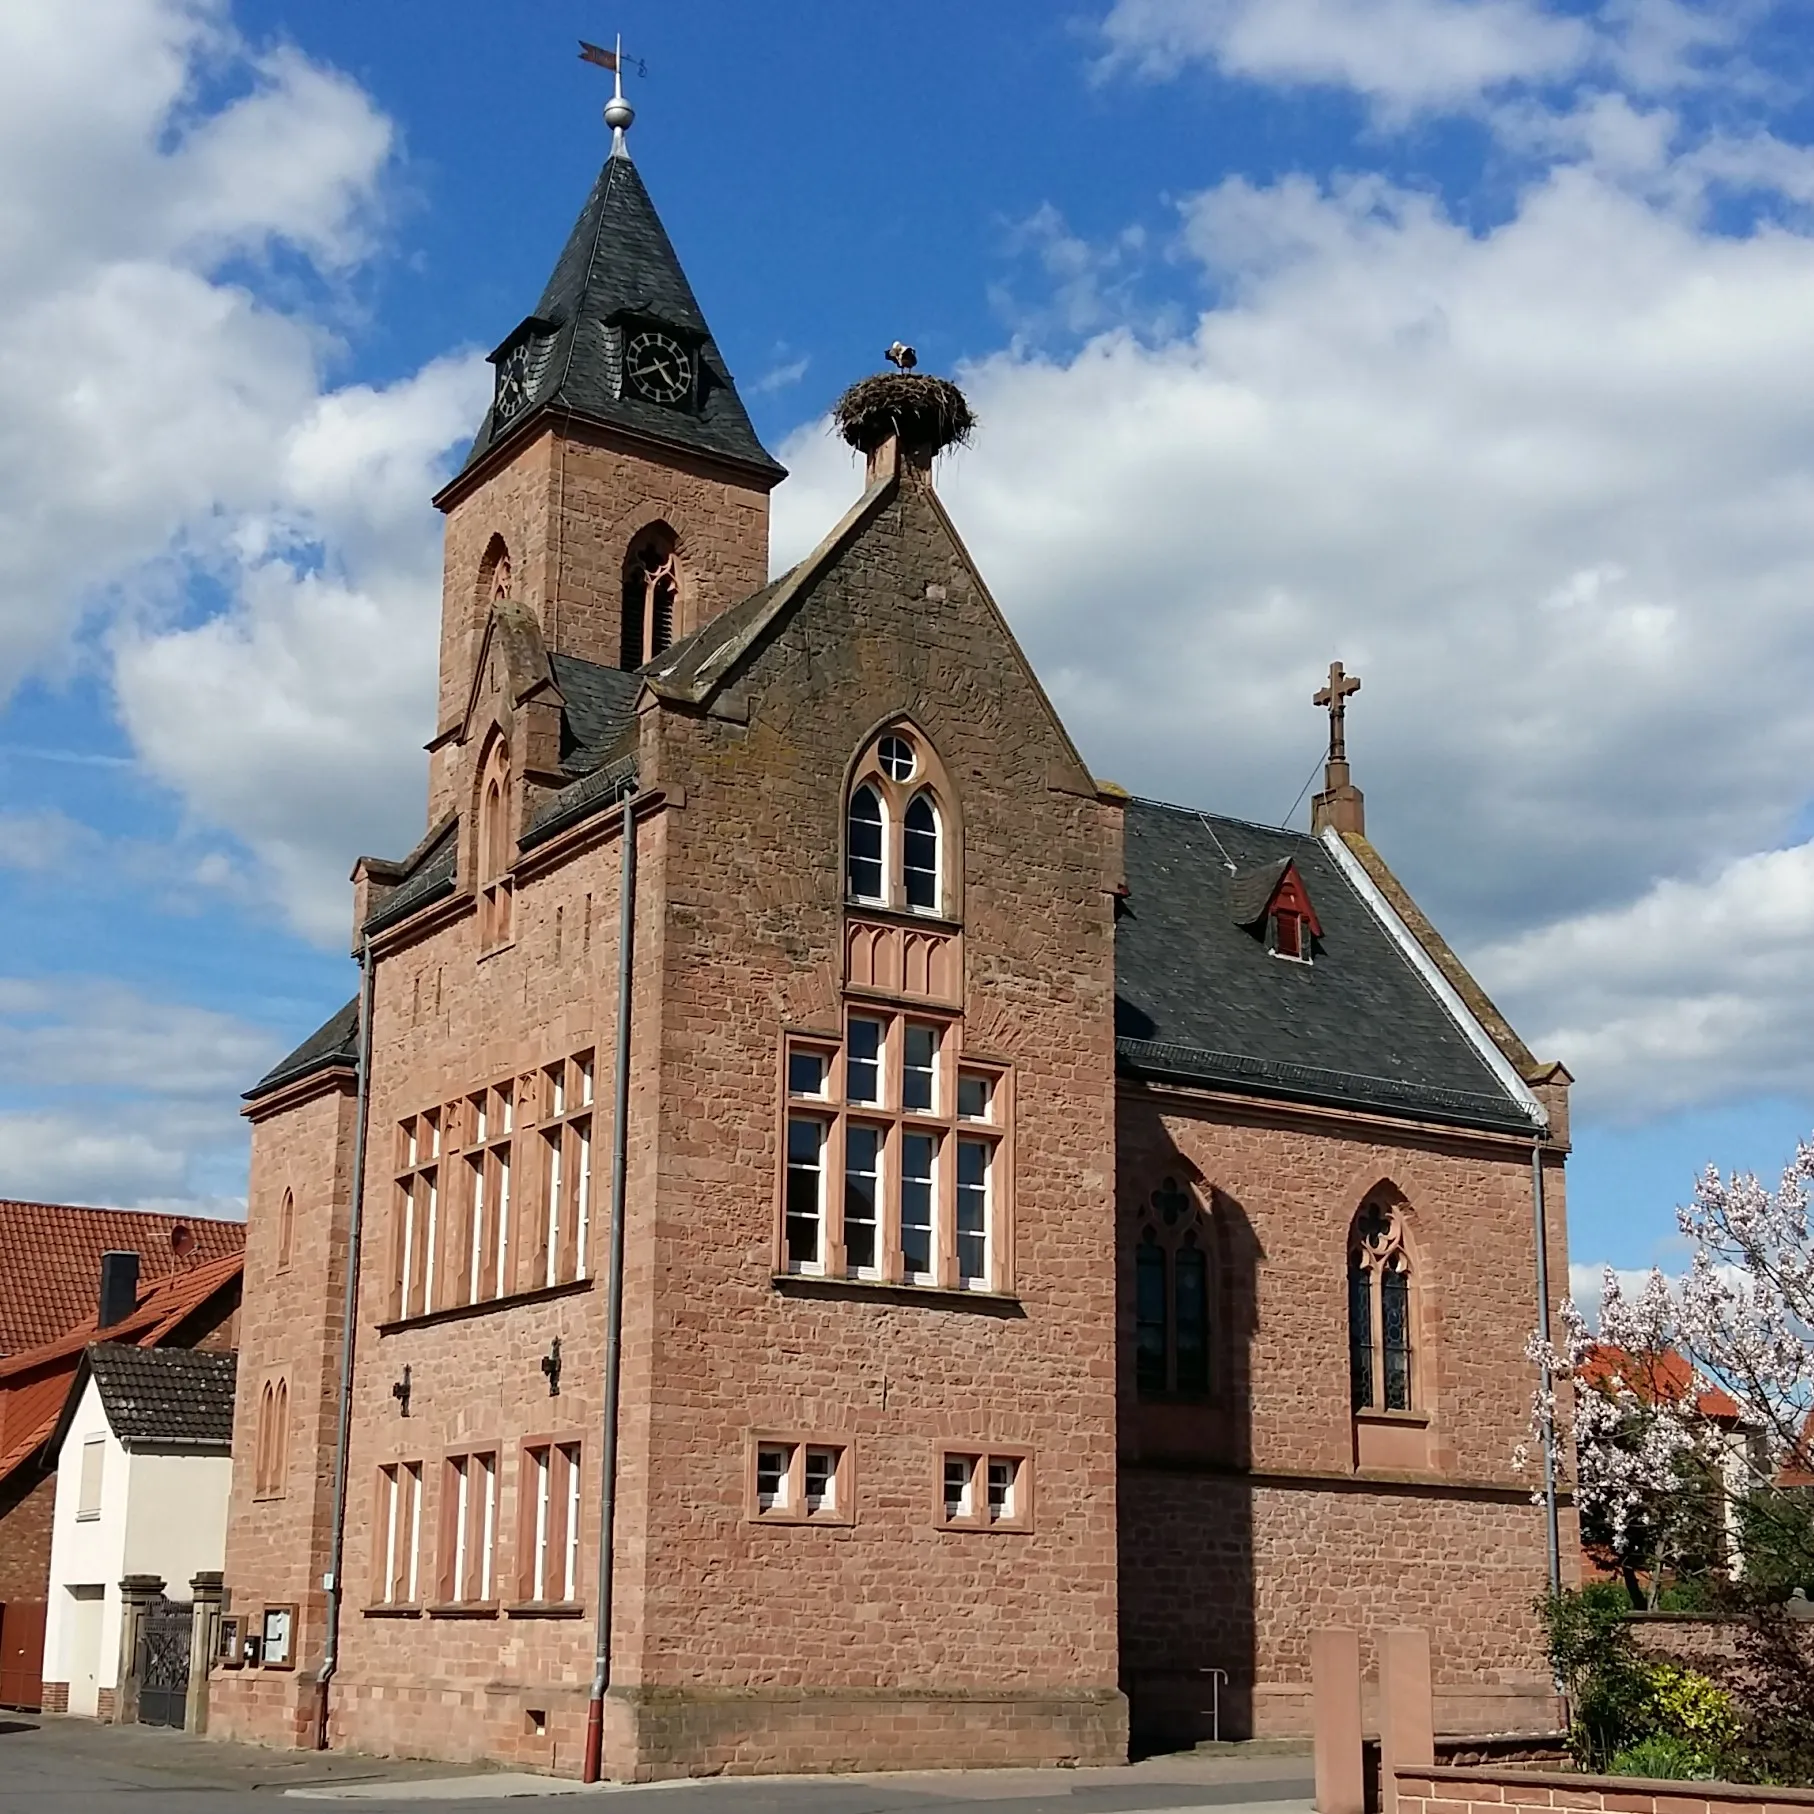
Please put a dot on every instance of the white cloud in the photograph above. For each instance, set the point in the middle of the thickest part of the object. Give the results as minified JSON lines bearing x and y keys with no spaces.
{"x":1694,"y":990}
{"x":110,"y":1096}
{"x":297,"y":718}
{"x":1548,"y":487}
{"x":1408,"y":55}
{"x":1413,"y":58}
{"x":171,"y":413}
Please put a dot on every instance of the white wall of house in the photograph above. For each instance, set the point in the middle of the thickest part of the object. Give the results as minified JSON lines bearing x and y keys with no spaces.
{"x":176,"y":1521}
{"x":81,"y":1644}
{"x":157,"y":1514}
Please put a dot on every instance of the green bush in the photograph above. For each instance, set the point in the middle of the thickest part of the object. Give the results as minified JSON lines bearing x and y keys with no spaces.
{"x":1662,"y":1756}
{"x":1694,"y":1710}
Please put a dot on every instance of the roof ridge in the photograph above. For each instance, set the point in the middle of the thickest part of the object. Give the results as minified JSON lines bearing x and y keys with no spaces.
{"x":1204,"y":812}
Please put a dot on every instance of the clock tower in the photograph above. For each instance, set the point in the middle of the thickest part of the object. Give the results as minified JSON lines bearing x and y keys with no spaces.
{"x":616,"y":491}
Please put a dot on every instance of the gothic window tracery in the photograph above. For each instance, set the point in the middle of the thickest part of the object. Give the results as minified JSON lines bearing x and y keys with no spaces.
{"x":651,"y":595}
{"x":900,"y":844}
{"x":1381,"y":1325}
{"x":1173,"y":1296}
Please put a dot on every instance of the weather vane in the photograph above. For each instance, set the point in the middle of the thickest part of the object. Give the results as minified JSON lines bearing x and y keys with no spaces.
{"x":618,"y":112}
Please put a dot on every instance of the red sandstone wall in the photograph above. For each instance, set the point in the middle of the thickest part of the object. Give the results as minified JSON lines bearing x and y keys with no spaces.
{"x":887,"y":1640}
{"x":567,"y":509}
{"x":1221,"y":1571}
{"x":754,"y":891}
{"x":289,"y":1327}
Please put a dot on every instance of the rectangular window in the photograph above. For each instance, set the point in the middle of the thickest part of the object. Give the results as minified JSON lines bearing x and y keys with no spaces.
{"x":564,"y":1228}
{"x":975,"y":1096}
{"x":919,"y":1152}
{"x":862,"y":1194}
{"x":863,"y":1061}
{"x":417,"y":1236}
{"x":985,"y":1490}
{"x":469,"y":1528}
{"x":805,"y":1193}
{"x":919,"y":1068}
{"x":88,"y":1486}
{"x":973,"y":1212}
{"x":798,"y":1481}
{"x":400,"y":1532}
{"x":806,"y":1072}
{"x":876,"y":1185}
{"x":548,"y":1531}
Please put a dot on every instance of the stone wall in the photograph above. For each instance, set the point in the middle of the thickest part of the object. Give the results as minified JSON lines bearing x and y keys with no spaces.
{"x":289,"y":1329}
{"x":1251,"y":1519}
{"x":1428,"y":1790}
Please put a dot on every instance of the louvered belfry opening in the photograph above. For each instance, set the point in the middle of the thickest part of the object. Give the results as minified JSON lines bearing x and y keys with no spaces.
{"x":651,"y":595}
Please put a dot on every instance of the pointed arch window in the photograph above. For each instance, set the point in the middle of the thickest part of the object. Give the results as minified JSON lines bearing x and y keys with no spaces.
{"x":494,"y":849}
{"x":272,"y":1440}
{"x":900,"y":843}
{"x":651,"y":598}
{"x":1174,"y":1326}
{"x":1381,"y":1326}
{"x":867,"y":836}
{"x":286,"y":1230}
{"x":920,"y":854}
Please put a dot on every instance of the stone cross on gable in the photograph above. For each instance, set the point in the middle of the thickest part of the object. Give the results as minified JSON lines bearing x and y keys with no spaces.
{"x":1335,"y":697}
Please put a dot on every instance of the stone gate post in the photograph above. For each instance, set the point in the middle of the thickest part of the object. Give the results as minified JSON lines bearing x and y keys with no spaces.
{"x":204,"y":1640}
{"x":136,"y":1595}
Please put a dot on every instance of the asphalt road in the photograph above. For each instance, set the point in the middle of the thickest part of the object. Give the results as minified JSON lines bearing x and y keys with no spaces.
{"x":65,"y":1766}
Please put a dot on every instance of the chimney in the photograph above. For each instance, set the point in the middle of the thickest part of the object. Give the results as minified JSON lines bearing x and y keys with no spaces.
{"x":119,"y":1288}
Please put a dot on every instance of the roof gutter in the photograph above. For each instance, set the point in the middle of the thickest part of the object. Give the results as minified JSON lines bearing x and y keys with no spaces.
{"x":330,"y":1656}
{"x":1439,"y":985}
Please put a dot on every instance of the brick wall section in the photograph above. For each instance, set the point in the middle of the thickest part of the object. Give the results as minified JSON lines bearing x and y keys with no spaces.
{"x":1461,"y":1791}
{"x":1246,"y":1523}
{"x":26,"y":1503}
{"x":289,"y":1327}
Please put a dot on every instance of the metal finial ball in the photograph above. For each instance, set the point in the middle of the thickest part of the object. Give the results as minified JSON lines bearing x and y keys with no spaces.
{"x":619,"y":113}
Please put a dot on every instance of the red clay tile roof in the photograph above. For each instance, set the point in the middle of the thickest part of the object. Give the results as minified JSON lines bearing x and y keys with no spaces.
{"x":50,"y":1261}
{"x":34,"y":1385}
{"x":1670,"y":1377}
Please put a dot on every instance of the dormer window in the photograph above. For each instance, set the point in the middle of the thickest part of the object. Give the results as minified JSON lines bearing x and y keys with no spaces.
{"x":1287,"y":936}
{"x":1274,"y":905}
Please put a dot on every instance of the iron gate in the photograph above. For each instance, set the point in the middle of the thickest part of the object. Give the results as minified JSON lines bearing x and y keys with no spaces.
{"x":163,"y":1663}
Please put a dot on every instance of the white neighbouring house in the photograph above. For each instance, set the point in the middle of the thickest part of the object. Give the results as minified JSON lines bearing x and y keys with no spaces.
{"x":144,"y":1464}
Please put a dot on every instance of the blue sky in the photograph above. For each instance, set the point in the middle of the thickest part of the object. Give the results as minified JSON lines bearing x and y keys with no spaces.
{"x":1469,"y":340}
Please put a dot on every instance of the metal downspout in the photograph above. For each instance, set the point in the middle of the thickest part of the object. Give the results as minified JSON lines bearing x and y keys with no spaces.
{"x":614,"y":1302}
{"x":330,"y":1659}
{"x":1543,"y":1332}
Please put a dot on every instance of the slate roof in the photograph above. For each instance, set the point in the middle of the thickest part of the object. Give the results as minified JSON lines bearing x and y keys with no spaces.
{"x":1198,"y":998}
{"x":164,"y":1397}
{"x":600,"y":711}
{"x":619,"y":261}
{"x":334,"y":1042}
{"x":50,"y":1261}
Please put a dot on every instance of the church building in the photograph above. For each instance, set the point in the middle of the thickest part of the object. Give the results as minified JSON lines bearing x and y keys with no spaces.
{"x":832,"y":1236}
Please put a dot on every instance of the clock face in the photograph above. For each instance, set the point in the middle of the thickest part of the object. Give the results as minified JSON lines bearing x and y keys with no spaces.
{"x":513,"y":381}
{"x":659,"y":366}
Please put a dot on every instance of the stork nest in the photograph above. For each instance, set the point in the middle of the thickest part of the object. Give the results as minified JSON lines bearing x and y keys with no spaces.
{"x":929,"y":414}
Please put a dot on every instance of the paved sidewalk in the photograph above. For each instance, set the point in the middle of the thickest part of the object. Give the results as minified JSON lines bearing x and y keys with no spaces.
{"x":69,"y":1766}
